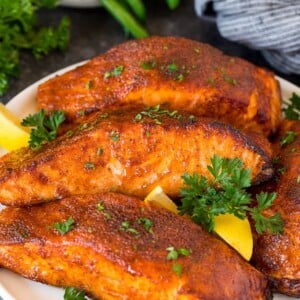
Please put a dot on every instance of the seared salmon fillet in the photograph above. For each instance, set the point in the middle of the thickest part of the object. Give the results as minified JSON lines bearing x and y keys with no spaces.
{"x":278,"y":256}
{"x":184,"y":73}
{"x":129,"y":151}
{"x":117,"y":248}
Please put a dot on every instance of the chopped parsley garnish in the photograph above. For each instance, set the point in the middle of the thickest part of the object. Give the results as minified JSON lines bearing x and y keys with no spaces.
{"x":74,"y":294}
{"x":172,"y":68}
{"x":298,"y":179}
{"x":125,"y":225}
{"x":116,"y":71}
{"x":44,"y":127}
{"x":288,"y":138}
{"x":226,"y":193}
{"x":101,"y":208}
{"x":99,"y":151}
{"x":64,"y":227}
{"x":147,"y":224}
{"x":229,"y":79}
{"x":174,"y":253}
{"x":89,"y":84}
{"x":114,"y":135}
{"x":149,"y":64}
{"x":89,"y":165}
{"x":155,"y":113}
{"x":292,"y":111}
{"x":177,"y":268}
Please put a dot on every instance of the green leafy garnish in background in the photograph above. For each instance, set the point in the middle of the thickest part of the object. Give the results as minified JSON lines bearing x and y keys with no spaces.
{"x":19,"y":31}
{"x":226,"y":193}
{"x":292,"y":111}
{"x":130,"y":14}
{"x":44,"y":128}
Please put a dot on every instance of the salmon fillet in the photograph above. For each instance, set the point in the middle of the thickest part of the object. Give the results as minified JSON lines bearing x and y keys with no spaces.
{"x":128,"y":152}
{"x":278,"y":256}
{"x":103,"y":257}
{"x":184,"y":73}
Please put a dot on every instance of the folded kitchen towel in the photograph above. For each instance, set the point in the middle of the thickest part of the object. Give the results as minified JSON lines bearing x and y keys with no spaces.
{"x":272,"y":26}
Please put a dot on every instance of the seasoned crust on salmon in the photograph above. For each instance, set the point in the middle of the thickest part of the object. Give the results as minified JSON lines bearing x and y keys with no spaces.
{"x":103,"y":257}
{"x":278,"y":256}
{"x":185,"y":74}
{"x":126,"y":151}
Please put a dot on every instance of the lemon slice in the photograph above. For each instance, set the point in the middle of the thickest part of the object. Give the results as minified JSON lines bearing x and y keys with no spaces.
{"x":158,"y":197}
{"x":12,"y":134}
{"x":235,"y":232}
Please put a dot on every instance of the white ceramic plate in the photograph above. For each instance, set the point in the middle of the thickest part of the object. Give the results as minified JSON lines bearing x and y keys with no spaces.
{"x":15,"y":287}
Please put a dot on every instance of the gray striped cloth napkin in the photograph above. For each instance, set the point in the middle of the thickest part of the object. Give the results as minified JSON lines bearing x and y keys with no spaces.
{"x":272,"y":26}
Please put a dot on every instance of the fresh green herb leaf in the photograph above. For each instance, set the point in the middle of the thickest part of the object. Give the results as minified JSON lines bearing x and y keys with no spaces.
{"x":125,"y":225}
{"x":177,"y":268}
{"x":99,"y":151}
{"x":172,"y":68}
{"x":229,"y":79}
{"x":155,"y":113}
{"x":226,"y":193}
{"x":149,"y":64}
{"x":114,"y":135}
{"x":44,"y":127}
{"x":175,"y":253}
{"x":292,"y":110}
{"x":89,"y":165}
{"x":288,"y":138}
{"x":298,"y":179}
{"x":147,"y":224}
{"x":274,"y":223}
{"x":100,"y":206}
{"x":74,"y":294}
{"x":116,"y":71}
{"x":64,"y":227}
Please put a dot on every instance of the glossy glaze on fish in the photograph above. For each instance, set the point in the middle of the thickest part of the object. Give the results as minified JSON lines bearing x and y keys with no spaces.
{"x":278,"y":256}
{"x":117,"y":249}
{"x":185,"y":74}
{"x":119,"y":151}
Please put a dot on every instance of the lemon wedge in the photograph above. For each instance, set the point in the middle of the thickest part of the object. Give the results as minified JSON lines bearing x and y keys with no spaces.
{"x":12,"y":134}
{"x":235,"y":232}
{"x":158,"y":197}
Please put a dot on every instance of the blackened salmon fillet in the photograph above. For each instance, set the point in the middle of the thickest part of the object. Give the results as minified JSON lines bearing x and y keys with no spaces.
{"x":130,"y":151}
{"x":278,"y":256}
{"x":117,"y":247}
{"x":184,"y":73}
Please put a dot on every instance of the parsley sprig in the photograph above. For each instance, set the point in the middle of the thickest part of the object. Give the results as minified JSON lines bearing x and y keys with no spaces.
{"x":292,"y":111}
{"x":203,"y":199}
{"x":73,"y":294}
{"x":44,"y":127}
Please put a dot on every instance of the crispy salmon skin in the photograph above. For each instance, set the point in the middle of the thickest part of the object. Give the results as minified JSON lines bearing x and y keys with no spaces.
{"x":129,"y":151}
{"x":185,"y":74}
{"x":117,"y":247}
{"x":278,"y":256}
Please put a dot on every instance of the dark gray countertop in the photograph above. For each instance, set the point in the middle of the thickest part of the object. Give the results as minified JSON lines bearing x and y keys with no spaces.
{"x":95,"y":31}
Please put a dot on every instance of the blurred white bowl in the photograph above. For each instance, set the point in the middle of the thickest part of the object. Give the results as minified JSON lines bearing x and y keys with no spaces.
{"x":80,"y":3}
